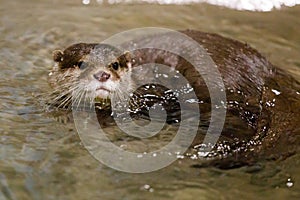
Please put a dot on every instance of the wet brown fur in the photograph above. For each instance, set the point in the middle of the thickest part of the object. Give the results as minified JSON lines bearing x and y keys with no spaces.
{"x":248,"y":79}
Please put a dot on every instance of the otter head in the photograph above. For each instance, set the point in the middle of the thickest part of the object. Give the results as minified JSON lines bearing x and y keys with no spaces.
{"x":92,"y":71}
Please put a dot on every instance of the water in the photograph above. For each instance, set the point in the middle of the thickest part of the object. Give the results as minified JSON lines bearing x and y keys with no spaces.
{"x":254,"y":5}
{"x":41,"y":158}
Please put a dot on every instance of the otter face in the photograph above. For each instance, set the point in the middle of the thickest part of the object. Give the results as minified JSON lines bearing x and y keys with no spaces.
{"x":103,"y":72}
{"x":92,"y":71}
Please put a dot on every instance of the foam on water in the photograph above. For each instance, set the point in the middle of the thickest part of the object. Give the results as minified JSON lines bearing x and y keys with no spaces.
{"x":253,"y":5}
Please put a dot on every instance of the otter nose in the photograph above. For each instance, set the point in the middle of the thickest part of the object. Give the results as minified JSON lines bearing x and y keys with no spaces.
{"x":101,"y":76}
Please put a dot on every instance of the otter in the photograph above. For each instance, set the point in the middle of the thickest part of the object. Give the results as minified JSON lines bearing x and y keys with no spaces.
{"x":263,"y":112}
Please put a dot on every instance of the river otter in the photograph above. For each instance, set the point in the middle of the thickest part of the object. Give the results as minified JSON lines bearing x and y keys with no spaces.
{"x":263,"y":109}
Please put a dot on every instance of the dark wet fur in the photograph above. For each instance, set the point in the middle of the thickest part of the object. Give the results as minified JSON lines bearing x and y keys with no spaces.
{"x":253,"y":129}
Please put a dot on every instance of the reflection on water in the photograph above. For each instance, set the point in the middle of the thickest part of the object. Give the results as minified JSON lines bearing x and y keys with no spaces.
{"x":41,"y":158}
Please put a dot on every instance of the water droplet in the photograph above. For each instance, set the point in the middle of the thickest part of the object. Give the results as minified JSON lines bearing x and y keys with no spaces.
{"x":180,"y":156}
{"x":192,"y":101}
{"x":289,"y":183}
{"x":147,"y":187}
{"x":86,"y":2}
{"x":276,"y":92}
{"x":203,"y":154}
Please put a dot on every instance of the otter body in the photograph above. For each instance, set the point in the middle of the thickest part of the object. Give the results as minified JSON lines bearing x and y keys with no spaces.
{"x":263,"y":112}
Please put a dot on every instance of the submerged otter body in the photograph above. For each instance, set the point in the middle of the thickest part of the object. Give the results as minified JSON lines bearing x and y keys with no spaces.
{"x":263,"y":109}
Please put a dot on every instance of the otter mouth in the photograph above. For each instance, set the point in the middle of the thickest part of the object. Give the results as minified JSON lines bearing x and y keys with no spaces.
{"x":103,"y":89}
{"x":102,"y":92}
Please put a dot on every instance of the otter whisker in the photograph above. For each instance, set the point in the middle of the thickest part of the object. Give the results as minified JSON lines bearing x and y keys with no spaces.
{"x":92,"y":99}
{"x":63,"y":99}
{"x":87,"y":96}
{"x":85,"y":99}
{"x":65,"y":102}
{"x":75,"y":94}
{"x":67,"y":93}
{"x":78,"y":97}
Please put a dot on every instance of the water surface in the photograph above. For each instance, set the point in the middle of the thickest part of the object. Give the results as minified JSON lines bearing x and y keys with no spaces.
{"x":41,"y":158}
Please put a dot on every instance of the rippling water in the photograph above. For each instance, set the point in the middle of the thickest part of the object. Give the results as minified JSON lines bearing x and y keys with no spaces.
{"x":41,"y":158}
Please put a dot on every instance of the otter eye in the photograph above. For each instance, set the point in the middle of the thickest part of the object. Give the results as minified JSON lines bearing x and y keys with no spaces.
{"x":82,"y":65}
{"x":115,"y":65}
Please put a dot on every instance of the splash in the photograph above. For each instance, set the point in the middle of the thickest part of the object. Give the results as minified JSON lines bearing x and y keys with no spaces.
{"x":252,"y":5}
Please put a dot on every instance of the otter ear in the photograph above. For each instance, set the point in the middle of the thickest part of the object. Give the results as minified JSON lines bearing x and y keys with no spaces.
{"x":127,"y":56}
{"x":129,"y":60}
{"x":58,"y":55}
